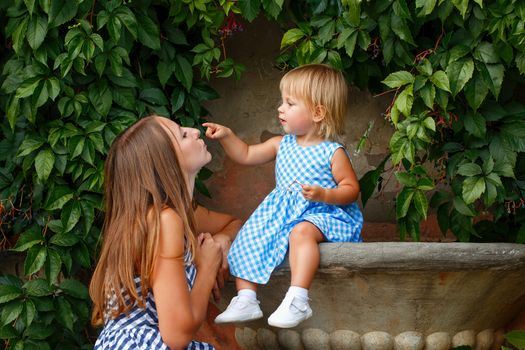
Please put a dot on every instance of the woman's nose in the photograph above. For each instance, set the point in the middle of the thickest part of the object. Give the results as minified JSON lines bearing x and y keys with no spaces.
{"x":197,"y":132}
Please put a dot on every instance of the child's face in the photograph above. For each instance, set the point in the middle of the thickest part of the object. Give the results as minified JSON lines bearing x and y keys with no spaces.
{"x":295,"y":116}
{"x":191,"y":149}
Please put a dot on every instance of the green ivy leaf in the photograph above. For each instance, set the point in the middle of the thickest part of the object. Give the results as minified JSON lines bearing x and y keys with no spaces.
{"x":52,"y":266}
{"x":126,"y":16}
{"x":503,"y":168}
{"x":428,"y":94}
{"x":148,"y":32}
{"x":462,"y":6}
{"x":62,"y":11}
{"x":249,"y":8}
{"x":350,"y":44}
{"x":473,"y":188}
{"x":8,"y":293}
{"x":74,"y":288}
{"x":406,"y":179}
{"x":326,"y":33}
{"x":70,"y":215}
{"x":100,"y":97}
{"x":28,"y":239}
{"x":38,"y":331}
{"x":491,"y":194}
{"x":486,"y":53}
{"x":273,"y":8}
{"x":475,"y":124}
{"x":405,"y":100}
{"x":462,"y":208}
{"x":154,"y":96}
{"x":36,"y":31}
{"x":291,"y":36}
{"x":29,"y":312}
{"x":45,"y":5}
{"x":8,"y":332}
{"x":183,"y":72}
{"x":403,"y":201}
{"x":440,"y":80}
{"x":520,"y":62}
{"x":459,"y":73}
{"x":64,"y":239}
{"x":425,"y":67}
{"x":59,"y":196}
{"x":421,"y":203}
{"x":493,"y":76}
{"x":35,"y":259}
{"x":398,"y":79}
{"x":427,"y":6}
{"x":44,"y":163}
{"x":469,"y":169}
{"x":476,"y":90}
{"x":401,"y":29}
{"x":335,"y":59}
{"x":64,"y":313}
{"x":11,"y":311}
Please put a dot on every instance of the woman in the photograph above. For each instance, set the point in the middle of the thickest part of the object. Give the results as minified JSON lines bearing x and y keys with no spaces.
{"x":154,"y":277}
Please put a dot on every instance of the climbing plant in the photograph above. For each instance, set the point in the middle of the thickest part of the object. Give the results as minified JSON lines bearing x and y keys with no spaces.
{"x":75,"y":73}
{"x":452,"y":68}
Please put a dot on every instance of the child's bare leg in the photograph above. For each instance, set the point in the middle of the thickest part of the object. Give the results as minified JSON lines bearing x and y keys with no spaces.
{"x":304,"y":260}
{"x":304,"y":253}
{"x":244,"y":284}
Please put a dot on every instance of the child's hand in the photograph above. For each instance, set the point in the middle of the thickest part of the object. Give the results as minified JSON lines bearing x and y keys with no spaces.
{"x":313,"y":193}
{"x":216,"y":131}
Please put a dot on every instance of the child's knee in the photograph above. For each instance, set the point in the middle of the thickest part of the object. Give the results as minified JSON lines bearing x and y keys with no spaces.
{"x":305,"y":231}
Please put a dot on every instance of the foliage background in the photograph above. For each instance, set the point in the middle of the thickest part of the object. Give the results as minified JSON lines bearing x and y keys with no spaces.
{"x":77,"y":72}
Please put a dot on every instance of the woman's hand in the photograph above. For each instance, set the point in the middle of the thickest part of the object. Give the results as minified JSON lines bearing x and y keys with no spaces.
{"x":216,"y":131}
{"x":224,"y":270}
{"x":209,"y":255}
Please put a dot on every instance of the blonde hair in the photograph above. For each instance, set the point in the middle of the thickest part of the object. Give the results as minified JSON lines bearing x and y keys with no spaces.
{"x":143,"y":176}
{"x":320,"y":86}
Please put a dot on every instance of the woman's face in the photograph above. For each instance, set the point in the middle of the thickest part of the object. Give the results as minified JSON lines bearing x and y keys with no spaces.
{"x":191,"y":149}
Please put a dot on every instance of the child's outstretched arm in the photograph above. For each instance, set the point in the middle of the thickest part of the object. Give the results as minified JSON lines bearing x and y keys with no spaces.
{"x":347,"y":190}
{"x":238,"y":150}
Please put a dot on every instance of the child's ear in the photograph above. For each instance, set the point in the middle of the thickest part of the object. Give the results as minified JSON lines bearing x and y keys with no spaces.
{"x":319,"y":113}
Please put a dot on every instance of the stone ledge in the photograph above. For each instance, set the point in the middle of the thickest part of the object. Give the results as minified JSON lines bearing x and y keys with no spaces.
{"x":400,"y":287}
{"x":419,"y":256}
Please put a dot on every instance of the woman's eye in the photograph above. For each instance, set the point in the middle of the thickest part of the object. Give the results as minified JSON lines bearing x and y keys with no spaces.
{"x":184,"y":134}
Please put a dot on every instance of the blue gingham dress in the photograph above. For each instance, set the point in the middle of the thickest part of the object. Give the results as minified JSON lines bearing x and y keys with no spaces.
{"x":139,"y":330}
{"x":262,"y":242}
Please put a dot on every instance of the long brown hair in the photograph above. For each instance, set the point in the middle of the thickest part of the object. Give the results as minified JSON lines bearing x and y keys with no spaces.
{"x":142,"y":177}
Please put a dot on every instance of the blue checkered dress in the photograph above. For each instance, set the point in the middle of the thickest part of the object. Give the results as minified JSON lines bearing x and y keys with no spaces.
{"x":262,"y":242}
{"x":139,"y":330}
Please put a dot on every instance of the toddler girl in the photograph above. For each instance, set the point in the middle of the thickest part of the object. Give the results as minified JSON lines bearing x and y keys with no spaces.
{"x":313,"y":201}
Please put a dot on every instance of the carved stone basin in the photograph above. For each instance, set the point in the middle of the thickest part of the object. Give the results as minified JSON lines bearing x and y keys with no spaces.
{"x":398,"y":295}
